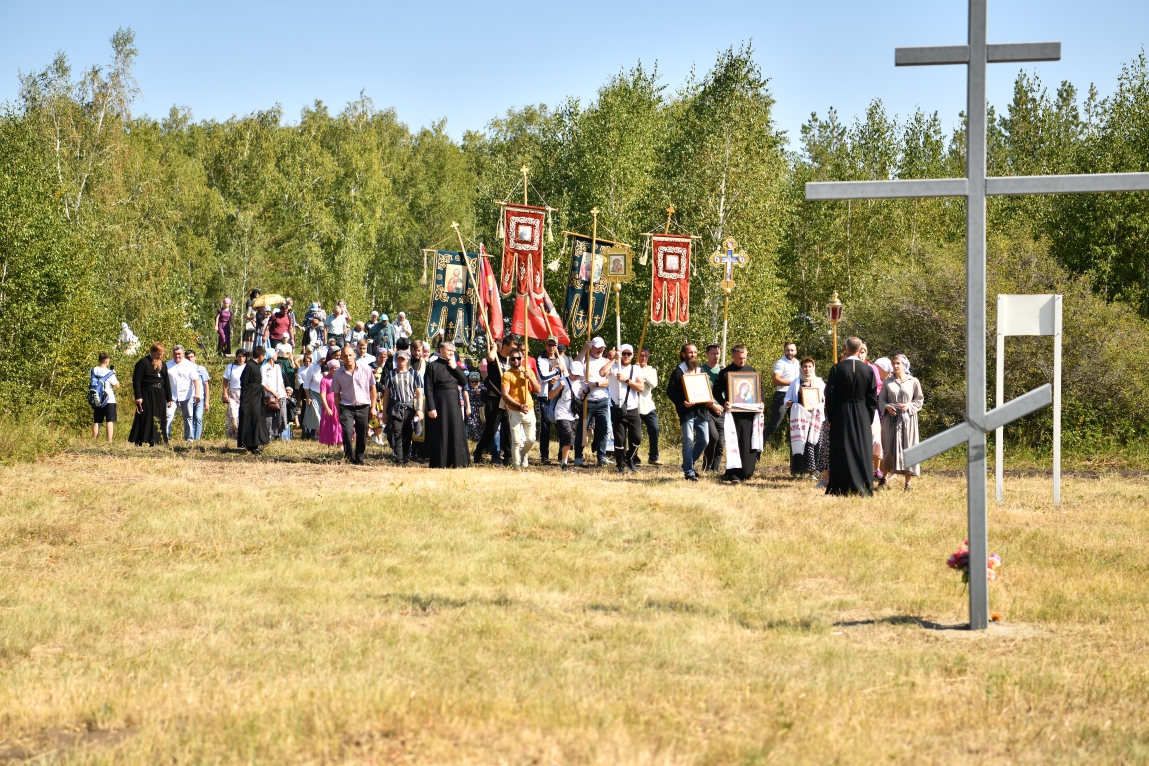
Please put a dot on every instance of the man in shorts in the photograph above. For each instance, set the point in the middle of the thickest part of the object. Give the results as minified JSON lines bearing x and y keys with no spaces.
{"x":105,"y":413}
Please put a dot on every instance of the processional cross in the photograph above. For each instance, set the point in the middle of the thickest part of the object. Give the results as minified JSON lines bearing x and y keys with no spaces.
{"x":975,"y":187}
{"x":727,"y":259}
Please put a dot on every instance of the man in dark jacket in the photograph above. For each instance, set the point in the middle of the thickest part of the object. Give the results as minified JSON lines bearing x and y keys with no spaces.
{"x":693,"y":416}
{"x":496,"y":421}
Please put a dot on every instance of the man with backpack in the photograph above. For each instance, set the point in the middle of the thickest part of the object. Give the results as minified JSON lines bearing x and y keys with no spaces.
{"x":102,"y":397}
{"x":549,"y":367}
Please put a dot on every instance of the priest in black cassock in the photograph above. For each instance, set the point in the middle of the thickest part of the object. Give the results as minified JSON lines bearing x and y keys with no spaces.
{"x":851,"y":401}
{"x":252,"y":425}
{"x":743,"y":420}
{"x":445,"y":441}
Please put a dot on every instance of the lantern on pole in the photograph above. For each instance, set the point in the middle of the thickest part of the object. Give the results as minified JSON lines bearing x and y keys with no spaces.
{"x":834,"y":314}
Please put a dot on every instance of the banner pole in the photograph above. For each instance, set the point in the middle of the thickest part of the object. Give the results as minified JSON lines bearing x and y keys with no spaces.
{"x":589,"y":317}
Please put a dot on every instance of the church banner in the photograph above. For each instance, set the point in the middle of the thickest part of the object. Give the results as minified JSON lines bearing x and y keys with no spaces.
{"x":580,"y":283}
{"x":452,"y":298}
{"x":670,"y":279}
{"x":522,"y":244}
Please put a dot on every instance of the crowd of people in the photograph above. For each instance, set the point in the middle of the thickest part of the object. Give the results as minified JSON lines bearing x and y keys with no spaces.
{"x":347,"y":384}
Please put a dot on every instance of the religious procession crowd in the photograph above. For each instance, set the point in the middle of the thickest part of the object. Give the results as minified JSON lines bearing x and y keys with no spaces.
{"x":346,"y":383}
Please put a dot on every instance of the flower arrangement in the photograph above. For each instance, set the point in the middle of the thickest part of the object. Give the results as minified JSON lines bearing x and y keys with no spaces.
{"x":959,"y":560}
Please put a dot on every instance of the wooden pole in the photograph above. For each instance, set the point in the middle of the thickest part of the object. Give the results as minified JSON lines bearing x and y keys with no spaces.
{"x":524,"y":169}
{"x":589,"y":311}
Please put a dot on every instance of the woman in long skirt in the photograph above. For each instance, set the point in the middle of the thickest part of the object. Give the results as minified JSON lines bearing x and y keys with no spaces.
{"x":223,"y":328}
{"x":899,"y":405}
{"x":330,"y":432}
{"x":153,"y":391}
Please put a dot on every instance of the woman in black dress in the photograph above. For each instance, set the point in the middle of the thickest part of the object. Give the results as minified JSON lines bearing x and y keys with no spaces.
{"x":252,"y":427}
{"x":446,"y":436}
{"x":153,"y":391}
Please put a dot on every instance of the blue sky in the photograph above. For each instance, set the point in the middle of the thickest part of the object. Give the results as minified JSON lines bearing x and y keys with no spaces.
{"x":469,"y":62}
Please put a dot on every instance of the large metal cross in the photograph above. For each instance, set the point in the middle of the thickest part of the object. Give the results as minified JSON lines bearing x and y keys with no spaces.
{"x":729,"y":259}
{"x":975,"y":187}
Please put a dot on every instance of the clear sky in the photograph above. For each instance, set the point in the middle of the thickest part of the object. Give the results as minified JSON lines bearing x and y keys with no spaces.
{"x":468,"y":62}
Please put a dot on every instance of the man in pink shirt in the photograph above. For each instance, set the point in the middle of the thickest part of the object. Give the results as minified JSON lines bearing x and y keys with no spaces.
{"x":354,"y":385}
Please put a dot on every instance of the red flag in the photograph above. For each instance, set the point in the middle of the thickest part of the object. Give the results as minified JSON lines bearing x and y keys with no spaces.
{"x":488,"y":294}
{"x":545,"y":320}
{"x":670,"y":280}
{"x":522,"y":248}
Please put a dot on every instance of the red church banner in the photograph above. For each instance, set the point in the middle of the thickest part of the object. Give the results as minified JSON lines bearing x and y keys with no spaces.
{"x":670,"y":283}
{"x":523,"y":244}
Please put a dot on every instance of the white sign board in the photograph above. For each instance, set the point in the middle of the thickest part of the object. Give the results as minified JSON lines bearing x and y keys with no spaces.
{"x":1030,"y":315}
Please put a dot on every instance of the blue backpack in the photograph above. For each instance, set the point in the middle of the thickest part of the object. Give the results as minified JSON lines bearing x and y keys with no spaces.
{"x":97,"y":396}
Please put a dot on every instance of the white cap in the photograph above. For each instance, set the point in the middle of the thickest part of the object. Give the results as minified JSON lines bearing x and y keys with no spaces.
{"x":576,"y":369}
{"x":626,"y":347}
{"x":598,"y":343}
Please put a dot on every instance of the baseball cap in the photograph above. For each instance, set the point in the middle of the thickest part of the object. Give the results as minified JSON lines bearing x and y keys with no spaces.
{"x":403,"y":354}
{"x":384,"y":318}
{"x":576,"y":369}
{"x":473,"y":375}
{"x":552,"y":339}
{"x":626,"y":347}
{"x":598,"y":343}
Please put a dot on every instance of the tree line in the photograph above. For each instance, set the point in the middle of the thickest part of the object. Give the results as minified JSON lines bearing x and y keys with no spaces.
{"x":107,"y":216}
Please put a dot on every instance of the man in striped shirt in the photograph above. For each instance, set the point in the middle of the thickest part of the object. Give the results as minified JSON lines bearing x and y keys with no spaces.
{"x":402,"y":398}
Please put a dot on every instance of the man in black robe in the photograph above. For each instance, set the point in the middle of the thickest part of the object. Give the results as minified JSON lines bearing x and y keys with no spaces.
{"x":743,"y":420}
{"x":445,"y":440}
{"x":251,"y":429}
{"x":851,"y":401}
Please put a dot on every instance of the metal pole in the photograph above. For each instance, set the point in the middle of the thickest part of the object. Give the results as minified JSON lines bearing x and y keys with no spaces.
{"x":975,"y":319}
{"x":1057,"y":400}
{"x":617,"y":316}
{"x":999,"y":434}
{"x":725,"y":322}
{"x":835,"y":341}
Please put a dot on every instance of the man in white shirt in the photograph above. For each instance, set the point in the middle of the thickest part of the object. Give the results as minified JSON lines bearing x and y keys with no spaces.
{"x":103,"y":379}
{"x":187,"y":392}
{"x":550,"y":367}
{"x":647,"y":412}
{"x":786,"y":371}
{"x":204,"y":403}
{"x":625,"y":387}
{"x":597,"y":371}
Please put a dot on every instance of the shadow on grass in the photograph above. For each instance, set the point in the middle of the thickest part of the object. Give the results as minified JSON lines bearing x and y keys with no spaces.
{"x":901,"y":619}
{"x":430,"y":603}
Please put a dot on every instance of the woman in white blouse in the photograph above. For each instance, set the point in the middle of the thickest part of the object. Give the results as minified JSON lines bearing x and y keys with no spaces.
{"x":272,"y":375}
{"x":899,"y":404}
{"x":308,"y":378}
{"x":231,"y":375}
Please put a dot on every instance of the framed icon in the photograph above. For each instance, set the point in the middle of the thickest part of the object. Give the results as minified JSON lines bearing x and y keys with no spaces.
{"x":618,"y":266}
{"x":696,"y":386}
{"x":744,"y":391}
{"x":454,"y":279}
{"x":809,"y":397}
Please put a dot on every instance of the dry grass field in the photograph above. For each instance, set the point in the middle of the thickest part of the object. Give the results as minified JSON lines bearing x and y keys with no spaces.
{"x":206,"y":607}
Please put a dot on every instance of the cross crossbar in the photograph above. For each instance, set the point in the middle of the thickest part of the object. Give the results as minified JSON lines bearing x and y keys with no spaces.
{"x":941,"y":55}
{"x":994,"y":187}
{"x":994,"y":419}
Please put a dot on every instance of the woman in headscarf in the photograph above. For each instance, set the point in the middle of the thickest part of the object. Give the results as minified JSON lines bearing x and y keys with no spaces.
{"x":272,"y":376}
{"x":232,"y":374}
{"x":153,"y":391}
{"x":223,"y":328}
{"x":330,"y":432}
{"x":810,"y":439}
{"x":900,"y":403}
{"x":252,"y":434}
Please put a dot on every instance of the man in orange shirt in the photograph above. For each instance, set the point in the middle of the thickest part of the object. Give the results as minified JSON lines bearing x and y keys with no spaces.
{"x":518,"y":383}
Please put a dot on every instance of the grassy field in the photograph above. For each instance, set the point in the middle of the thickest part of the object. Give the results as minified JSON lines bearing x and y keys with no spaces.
{"x":200,"y":606}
